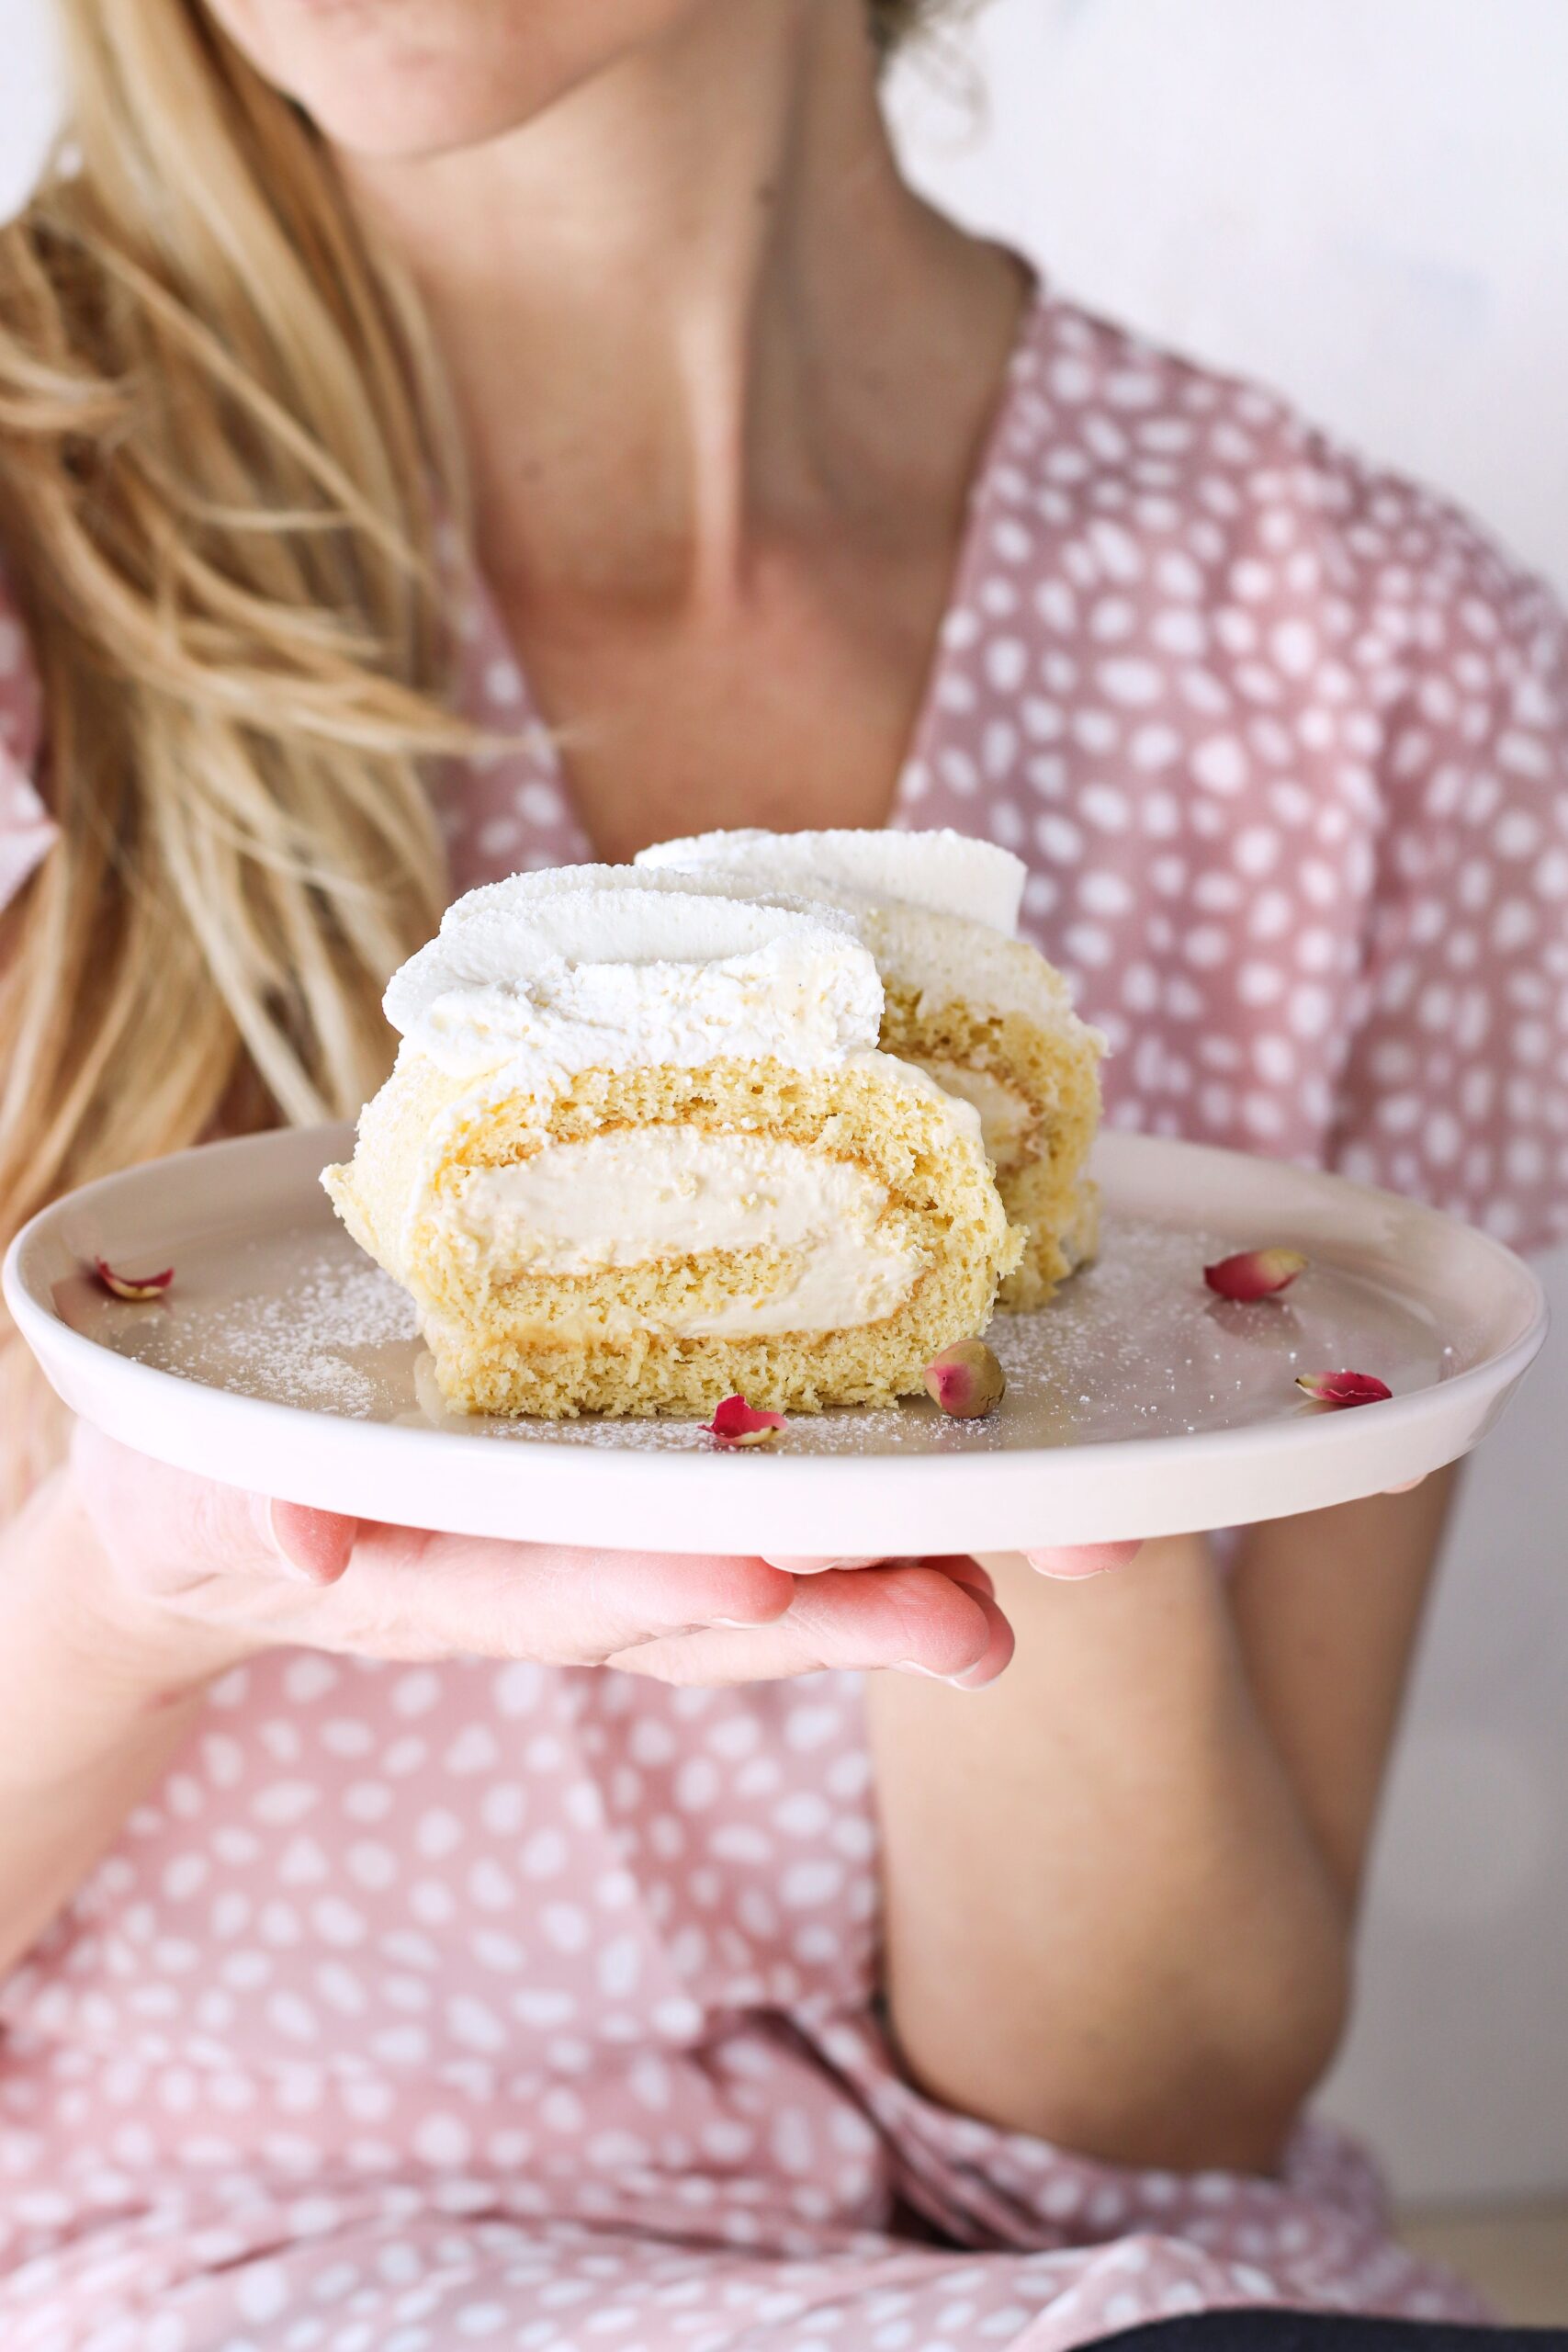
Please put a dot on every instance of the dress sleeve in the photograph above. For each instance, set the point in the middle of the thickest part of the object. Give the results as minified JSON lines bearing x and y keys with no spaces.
{"x":25,"y":830}
{"x":1120,"y":2244}
{"x":1456,"y":1085}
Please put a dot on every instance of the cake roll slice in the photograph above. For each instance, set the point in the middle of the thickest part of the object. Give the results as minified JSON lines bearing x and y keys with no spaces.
{"x":965,"y":1000}
{"x":640,"y":1150}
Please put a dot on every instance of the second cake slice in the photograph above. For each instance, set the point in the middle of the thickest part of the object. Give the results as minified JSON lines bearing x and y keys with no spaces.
{"x":965,"y":1000}
{"x":639,"y":1151}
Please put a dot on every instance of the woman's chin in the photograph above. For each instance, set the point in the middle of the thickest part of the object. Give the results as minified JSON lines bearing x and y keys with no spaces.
{"x":428,"y":78}
{"x":414,"y":126}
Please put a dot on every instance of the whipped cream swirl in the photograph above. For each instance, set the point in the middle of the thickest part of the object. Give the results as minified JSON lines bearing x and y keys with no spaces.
{"x":596,"y":966}
{"x":943,"y":872}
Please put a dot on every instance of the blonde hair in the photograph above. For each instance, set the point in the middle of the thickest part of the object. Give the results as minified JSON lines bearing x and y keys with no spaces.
{"x":221,"y":442}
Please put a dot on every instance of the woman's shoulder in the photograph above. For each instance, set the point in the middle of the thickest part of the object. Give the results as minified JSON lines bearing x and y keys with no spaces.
{"x":1197,"y":554}
{"x":1202,"y":486}
{"x":26,"y":829}
{"x":1207,"y":662}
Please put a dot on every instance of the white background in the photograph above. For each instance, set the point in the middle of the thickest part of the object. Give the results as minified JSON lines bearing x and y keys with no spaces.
{"x":1366,"y":203}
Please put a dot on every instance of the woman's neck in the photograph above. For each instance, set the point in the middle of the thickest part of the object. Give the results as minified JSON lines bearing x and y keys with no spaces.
{"x":685,"y":309}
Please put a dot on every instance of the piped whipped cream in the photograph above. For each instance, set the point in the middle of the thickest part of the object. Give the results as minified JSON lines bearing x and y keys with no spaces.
{"x":944,"y":872}
{"x":634,"y":1195}
{"x":592,"y":967}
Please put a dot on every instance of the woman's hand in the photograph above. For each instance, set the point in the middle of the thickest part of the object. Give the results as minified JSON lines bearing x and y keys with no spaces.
{"x":193,"y":1577}
{"x":125,"y":1588}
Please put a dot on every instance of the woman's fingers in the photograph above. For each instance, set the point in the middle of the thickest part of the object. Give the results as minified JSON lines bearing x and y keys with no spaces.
{"x":1072,"y":1560}
{"x":318,"y":1544}
{"x":288,"y":1572}
{"x":660,"y":1593}
{"x":956,"y":1564}
{"x":438,"y":1595}
{"x":906,"y":1615}
{"x":171,"y":1531}
{"x":963,"y":1569}
{"x":230,"y":1558}
{"x":1066,"y":1561}
{"x":995,"y":1657}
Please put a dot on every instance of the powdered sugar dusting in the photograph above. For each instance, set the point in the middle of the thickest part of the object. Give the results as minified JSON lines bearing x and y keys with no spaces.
{"x":319,"y":1340}
{"x":1133,"y":1345}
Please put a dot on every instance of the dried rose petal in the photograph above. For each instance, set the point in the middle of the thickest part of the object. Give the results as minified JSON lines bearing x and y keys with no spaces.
{"x":966,"y":1380}
{"x":132,"y":1285}
{"x":735,"y":1423}
{"x":1344,"y":1388}
{"x":1255,"y":1274}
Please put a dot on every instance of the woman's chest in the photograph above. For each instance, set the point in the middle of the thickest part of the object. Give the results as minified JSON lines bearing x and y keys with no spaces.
{"x":1199,"y":829}
{"x":787,"y":702}
{"x":511,"y":1865}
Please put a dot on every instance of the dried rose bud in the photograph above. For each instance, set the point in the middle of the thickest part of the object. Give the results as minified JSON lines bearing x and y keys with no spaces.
{"x":1255,"y":1274}
{"x":735,"y":1423}
{"x":966,"y":1380}
{"x":132,"y":1285}
{"x":1344,"y":1388}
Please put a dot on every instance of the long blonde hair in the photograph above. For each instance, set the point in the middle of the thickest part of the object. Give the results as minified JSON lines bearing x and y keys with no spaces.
{"x":221,"y":439}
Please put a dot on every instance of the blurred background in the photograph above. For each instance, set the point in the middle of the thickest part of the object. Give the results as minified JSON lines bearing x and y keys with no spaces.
{"x":1365,"y":204}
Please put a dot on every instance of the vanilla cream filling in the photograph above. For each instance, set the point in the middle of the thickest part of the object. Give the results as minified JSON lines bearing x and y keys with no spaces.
{"x":1006,"y":1119}
{"x":632,"y":1196}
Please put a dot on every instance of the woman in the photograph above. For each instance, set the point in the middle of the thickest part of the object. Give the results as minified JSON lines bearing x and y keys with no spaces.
{"x":383,"y":1973}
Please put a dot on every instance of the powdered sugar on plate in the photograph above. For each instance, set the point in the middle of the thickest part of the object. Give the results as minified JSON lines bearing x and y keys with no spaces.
{"x":328,"y":1338}
{"x":1133,"y":1346}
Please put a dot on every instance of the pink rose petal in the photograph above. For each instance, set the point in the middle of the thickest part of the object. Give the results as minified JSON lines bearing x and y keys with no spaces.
{"x":1344,"y":1388}
{"x":1255,"y":1274}
{"x":132,"y":1286}
{"x":735,"y":1423}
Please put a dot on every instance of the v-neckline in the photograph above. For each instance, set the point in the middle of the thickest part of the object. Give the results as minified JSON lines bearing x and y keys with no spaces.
{"x":494,"y":684}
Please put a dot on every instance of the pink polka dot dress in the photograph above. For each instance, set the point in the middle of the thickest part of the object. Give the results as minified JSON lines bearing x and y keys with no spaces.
{"x":421,"y":2007}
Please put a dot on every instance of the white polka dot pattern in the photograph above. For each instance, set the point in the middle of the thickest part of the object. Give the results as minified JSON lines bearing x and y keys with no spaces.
{"x":1285,"y":745}
{"x":425,"y":2005}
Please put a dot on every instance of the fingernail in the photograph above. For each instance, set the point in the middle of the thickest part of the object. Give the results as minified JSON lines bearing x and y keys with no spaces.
{"x":300,"y":1571}
{"x":272,"y":1535}
{"x":979,"y":1677}
{"x":1079,"y":1564}
{"x":965,"y":1681}
{"x":808,"y":1563}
